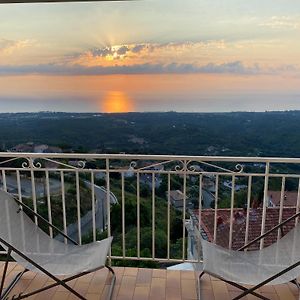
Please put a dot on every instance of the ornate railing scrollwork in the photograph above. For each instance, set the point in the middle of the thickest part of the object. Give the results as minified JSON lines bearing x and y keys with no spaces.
{"x":81,"y":164}
{"x":30,"y":163}
{"x":239,"y":168}
{"x":132,"y":165}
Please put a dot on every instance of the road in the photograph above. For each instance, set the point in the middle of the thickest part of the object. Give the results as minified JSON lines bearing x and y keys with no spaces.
{"x":87,"y":219}
{"x":26,"y":185}
{"x":55,"y":187}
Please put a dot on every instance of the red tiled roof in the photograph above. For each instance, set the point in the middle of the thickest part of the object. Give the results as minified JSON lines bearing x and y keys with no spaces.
{"x":289,"y":198}
{"x":239,"y":225}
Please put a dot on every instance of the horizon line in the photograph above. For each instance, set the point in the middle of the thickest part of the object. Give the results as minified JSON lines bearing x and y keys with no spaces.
{"x":150,"y":112}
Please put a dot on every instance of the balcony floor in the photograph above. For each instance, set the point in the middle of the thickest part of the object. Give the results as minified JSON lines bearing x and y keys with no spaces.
{"x":139,"y":284}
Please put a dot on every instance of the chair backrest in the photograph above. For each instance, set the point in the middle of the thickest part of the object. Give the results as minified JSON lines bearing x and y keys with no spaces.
{"x":253,"y":266}
{"x":17,"y":229}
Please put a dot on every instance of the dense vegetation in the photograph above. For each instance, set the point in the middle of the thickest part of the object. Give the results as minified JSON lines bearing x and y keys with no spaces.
{"x":239,"y":133}
{"x":244,"y":134}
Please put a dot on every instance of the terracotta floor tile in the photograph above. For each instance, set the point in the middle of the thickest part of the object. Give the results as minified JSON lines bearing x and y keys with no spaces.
{"x":116,"y":291}
{"x":173,"y":293}
{"x":158,"y":288}
{"x":20,"y":287}
{"x":187,"y":275}
{"x":207,"y":295}
{"x":284,"y":292}
{"x":271,"y":296}
{"x":60,"y":296}
{"x":205,"y":283}
{"x":159,"y":273}
{"x":267,"y":289}
{"x":141,"y":293}
{"x":127,"y":287}
{"x":81,"y":288}
{"x":293,"y":289}
{"x":91,"y":296}
{"x":105,"y":292}
{"x":144,"y":277}
{"x":37,"y":282}
{"x":123,"y":297}
{"x":188,"y":289}
{"x":130,"y":271}
{"x":142,"y":284}
{"x":220,"y":290}
{"x":173,"y":279}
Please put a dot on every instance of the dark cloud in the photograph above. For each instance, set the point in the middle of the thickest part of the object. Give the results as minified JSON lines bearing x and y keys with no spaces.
{"x":236,"y":67}
{"x":123,"y":50}
{"x":102,"y":52}
{"x":138,"y":48}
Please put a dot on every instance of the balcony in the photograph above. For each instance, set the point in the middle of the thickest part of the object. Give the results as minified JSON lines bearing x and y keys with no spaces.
{"x":155,"y":207}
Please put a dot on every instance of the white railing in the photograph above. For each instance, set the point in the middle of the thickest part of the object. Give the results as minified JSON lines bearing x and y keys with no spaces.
{"x":144,"y":201}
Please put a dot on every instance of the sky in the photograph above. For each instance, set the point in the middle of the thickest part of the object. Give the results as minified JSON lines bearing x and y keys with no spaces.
{"x":150,"y":55}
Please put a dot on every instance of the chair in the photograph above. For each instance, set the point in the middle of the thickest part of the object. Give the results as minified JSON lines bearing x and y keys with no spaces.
{"x":32,"y":248}
{"x":276,"y":264}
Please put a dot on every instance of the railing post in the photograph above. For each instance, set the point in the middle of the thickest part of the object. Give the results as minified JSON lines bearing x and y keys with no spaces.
{"x":265,"y":202}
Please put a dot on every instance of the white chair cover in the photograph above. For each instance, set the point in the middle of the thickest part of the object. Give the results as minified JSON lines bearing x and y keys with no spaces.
{"x":58,"y":258}
{"x":253,"y":267}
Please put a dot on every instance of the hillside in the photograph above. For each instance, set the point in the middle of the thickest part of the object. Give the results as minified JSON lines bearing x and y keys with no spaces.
{"x":239,"y":133}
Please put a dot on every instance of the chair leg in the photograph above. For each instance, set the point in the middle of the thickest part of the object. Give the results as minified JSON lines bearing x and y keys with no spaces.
{"x":198,"y":284}
{"x":57,"y":283}
{"x":245,"y":290}
{"x":113,"y":282}
{"x":295,"y":281}
{"x":252,"y":293}
{"x":4,"y":272}
{"x":63,"y":283}
{"x":12,"y":284}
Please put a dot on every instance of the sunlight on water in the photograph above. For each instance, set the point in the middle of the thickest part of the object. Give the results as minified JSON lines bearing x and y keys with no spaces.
{"x":116,"y":102}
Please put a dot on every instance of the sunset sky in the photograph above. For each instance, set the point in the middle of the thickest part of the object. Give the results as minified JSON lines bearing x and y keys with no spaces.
{"x":159,"y":55}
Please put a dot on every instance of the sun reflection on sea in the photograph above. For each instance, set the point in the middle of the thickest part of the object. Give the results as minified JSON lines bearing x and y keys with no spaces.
{"x":116,"y":102}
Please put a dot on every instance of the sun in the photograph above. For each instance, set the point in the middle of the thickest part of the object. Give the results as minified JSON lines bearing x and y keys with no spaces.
{"x":117,"y":102}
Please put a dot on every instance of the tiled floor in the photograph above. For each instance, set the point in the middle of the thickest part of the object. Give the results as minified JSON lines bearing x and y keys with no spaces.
{"x":140,"y":284}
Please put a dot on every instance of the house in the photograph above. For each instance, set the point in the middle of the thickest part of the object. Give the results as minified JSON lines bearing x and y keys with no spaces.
{"x":40,"y":148}
{"x":177,"y":198}
{"x":28,"y":147}
{"x":237,"y":187}
{"x":33,"y":148}
{"x":239,"y":225}
{"x":290,"y":199}
{"x":147,"y":180}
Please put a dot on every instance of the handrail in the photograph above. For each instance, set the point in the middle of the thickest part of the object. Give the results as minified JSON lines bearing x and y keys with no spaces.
{"x":151,"y":157}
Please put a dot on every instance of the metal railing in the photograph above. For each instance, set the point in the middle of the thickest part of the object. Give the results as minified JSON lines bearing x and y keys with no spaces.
{"x":145,"y":201}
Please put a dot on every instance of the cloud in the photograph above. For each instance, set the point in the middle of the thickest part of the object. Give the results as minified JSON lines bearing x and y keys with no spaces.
{"x":106,"y":51}
{"x":122,"y":50}
{"x":282,"y":22}
{"x":236,"y":67}
{"x":9,"y":46}
{"x":138,"y":48}
{"x":148,"y":52}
